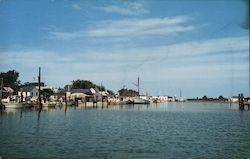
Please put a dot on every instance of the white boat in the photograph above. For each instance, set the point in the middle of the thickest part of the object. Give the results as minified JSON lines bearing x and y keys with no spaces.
{"x":14,"y":105}
{"x":140,"y":101}
{"x":49,"y":104}
{"x":129,"y":101}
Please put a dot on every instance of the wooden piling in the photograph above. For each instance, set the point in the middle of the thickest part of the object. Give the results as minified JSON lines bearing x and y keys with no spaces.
{"x":1,"y":94}
{"x":242,"y":103}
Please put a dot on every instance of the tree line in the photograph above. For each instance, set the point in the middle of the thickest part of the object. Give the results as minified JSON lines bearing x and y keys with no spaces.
{"x":10,"y":79}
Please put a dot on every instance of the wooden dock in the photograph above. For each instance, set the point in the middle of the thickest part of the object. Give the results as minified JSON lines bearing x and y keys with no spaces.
{"x":242,"y":103}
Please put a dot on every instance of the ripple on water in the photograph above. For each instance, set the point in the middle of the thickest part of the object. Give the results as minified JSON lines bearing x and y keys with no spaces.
{"x":184,"y":130}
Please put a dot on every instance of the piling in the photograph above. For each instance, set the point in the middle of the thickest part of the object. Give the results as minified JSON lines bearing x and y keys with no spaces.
{"x":242,"y":102}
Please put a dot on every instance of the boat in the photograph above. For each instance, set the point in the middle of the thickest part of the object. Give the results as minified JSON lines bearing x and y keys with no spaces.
{"x":139,"y":100}
{"x":13,"y":105}
{"x":13,"y":102}
{"x":48,"y":104}
{"x":129,"y":101}
{"x":28,"y":104}
{"x":156,"y":101}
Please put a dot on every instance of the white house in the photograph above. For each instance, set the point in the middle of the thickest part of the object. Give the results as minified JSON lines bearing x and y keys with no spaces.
{"x":30,"y":92}
{"x":233,"y":99}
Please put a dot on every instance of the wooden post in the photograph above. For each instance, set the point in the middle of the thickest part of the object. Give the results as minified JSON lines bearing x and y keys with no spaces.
{"x":21,"y":94}
{"x":65,"y":96}
{"x":241,"y":101}
{"x":1,"y":94}
{"x":102,"y":101}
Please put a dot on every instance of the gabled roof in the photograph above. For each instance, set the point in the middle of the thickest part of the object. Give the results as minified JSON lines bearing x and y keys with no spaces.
{"x":85,"y":91}
{"x":8,"y":89}
{"x":28,"y":88}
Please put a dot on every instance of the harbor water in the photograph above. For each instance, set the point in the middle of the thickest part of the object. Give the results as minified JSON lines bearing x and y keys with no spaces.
{"x":169,"y":130}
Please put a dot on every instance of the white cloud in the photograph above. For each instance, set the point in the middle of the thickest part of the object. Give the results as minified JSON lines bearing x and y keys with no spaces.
{"x":129,"y":28}
{"x":76,"y":6}
{"x":212,"y":64}
{"x":127,"y":8}
{"x":207,"y":59}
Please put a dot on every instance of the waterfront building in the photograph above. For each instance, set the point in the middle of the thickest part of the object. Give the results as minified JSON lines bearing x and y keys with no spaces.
{"x":7,"y":94}
{"x":234,"y":99}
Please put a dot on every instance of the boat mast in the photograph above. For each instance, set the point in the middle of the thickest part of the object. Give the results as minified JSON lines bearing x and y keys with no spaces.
{"x":180,"y":93}
{"x":138,"y":85}
{"x":39,"y":89}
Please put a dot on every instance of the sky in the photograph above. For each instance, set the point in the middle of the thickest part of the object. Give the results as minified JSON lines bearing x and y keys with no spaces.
{"x":199,"y":47}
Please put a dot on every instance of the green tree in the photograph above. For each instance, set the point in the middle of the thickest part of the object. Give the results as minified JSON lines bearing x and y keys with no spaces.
{"x":128,"y":92}
{"x":204,"y":98}
{"x":27,"y":84}
{"x":221,"y":98}
{"x":84,"y":84}
{"x":47,"y":93}
{"x":110,"y":92}
{"x":10,"y":79}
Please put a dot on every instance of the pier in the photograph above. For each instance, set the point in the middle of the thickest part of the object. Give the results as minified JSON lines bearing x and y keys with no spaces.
{"x":243,"y":103}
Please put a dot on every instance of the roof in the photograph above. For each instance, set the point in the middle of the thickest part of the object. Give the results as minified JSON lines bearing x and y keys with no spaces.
{"x":79,"y":95}
{"x":60,"y":92}
{"x":85,"y":91}
{"x":28,"y":88}
{"x":8,"y":89}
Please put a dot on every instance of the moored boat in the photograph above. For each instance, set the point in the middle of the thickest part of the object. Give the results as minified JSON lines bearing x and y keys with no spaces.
{"x":14,"y":105}
{"x":140,"y":101}
{"x":49,"y":104}
{"x":129,"y":101}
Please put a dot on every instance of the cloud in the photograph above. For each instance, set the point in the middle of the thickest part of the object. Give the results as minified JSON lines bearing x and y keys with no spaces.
{"x":129,"y":27}
{"x":205,"y":64}
{"x":127,"y":8}
{"x":207,"y":59}
{"x":76,"y":6}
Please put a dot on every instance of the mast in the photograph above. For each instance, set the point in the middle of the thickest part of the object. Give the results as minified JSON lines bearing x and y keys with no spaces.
{"x":138,"y":85}
{"x":180,"y":93}
{"x":1,"y":94}
{"x":39,"y":89}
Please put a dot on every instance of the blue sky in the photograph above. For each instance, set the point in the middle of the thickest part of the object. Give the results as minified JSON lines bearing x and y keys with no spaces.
{"x":197,"y":46}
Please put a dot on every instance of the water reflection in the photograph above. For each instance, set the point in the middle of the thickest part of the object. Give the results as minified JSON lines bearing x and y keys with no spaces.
{"x":179,"y":130}
{"x":172,"y":107}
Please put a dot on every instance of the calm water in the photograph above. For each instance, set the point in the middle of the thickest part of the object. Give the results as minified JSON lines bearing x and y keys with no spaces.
{"x":173,"y":130}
